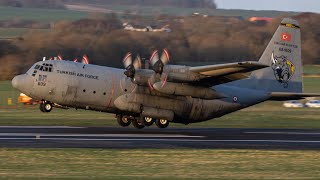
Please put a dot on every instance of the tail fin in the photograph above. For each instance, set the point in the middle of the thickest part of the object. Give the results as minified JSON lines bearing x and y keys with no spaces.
{"x":283,"y":55}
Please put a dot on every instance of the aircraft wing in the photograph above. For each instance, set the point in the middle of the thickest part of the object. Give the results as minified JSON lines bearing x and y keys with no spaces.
{"x":224,"y":73}
{"x":283,"y":96}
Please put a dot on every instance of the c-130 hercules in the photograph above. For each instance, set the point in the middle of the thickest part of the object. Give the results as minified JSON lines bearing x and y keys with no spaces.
{"x":171,"y":93}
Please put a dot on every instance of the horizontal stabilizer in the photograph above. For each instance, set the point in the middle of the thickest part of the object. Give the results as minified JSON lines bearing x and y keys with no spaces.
{"x":279,"y":96}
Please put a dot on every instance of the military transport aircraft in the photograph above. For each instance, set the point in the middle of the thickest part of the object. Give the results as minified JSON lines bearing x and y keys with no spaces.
{"x":171,"y":93}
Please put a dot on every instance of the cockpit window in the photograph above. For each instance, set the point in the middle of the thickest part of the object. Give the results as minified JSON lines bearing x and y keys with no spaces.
{"x":45,"y":67}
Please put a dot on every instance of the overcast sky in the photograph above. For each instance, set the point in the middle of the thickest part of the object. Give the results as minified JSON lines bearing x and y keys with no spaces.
{"x":283,"y":5}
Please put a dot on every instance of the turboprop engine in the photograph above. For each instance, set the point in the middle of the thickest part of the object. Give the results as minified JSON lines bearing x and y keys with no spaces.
{"x":181,"y":89}
{"x":139,"y":104}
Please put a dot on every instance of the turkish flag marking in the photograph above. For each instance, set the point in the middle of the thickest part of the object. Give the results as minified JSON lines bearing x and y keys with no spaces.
{"x":286,"y":37}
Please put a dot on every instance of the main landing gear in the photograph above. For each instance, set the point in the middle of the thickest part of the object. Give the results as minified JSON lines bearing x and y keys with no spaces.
{"x":146,"y":121}
{"x":141,"y":122}
{"x":46,"y":106}
{"x":162,"y":123}
{"x":123,"y":120}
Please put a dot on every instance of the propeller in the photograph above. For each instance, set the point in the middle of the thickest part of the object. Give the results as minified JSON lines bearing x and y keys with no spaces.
{"x":158,"y":63}
{"x":144,"y":77}
{"x":131,"y":66}
{"x":157,"y":66}
{"x":85,"y":59}
{"x":60,"y":57}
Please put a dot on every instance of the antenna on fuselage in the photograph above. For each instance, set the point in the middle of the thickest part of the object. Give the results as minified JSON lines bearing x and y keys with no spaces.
{"x":44,"y":59}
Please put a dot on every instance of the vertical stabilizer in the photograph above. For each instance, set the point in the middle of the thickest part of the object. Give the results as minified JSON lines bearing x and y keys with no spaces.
{"x":283,"y":55}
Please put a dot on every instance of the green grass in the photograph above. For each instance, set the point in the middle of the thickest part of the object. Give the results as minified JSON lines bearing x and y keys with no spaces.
{"x":265,"y":115}
{"x":311,"y":69}
{"x":158,"y":164}
{"x":42,"y":15}
{"x":12,"y":32}
{"x":148,"y":10}
{"x":51,"y":15}
{"x":311,"y":85}
{"x":7,"y":33}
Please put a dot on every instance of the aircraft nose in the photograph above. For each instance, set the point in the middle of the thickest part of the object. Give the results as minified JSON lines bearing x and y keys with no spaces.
{"x":22,"y":82}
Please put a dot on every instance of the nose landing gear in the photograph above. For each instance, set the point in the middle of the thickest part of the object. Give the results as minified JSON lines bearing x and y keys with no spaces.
{"x":46,"y":106}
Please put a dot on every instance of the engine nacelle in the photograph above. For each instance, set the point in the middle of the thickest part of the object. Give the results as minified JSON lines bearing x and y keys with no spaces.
{"x":184,"y":77}
{"x":141,"y":104}
{"x":180,"y":89}
{"x":143,"y":76}
{"x":157,"y":113}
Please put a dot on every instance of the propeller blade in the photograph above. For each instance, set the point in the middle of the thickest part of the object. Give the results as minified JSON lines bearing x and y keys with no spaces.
{"x":165,"y":57}
{"x":85,"y":59}
{"x":137,"y":63}
{"x":154,"y":57}
{"x":127,"y":60}
{"x":60,"y":57}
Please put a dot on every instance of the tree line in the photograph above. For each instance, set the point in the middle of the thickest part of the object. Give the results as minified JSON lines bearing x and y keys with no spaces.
{"x":195,"y":40}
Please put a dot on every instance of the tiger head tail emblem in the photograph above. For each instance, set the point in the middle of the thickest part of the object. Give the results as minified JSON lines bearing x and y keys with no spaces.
{"x":283,"y":69}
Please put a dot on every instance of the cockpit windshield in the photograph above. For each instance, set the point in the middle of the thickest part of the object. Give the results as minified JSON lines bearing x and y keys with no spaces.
{"x":45,"y":67}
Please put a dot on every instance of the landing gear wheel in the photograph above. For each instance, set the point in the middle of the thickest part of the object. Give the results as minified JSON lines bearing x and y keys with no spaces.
{"x":162,"y":123}
{"x":147,"y":121}
{"x":123,"y":121}
{"x":41,"y":107}
{"x":46,"y":107}
{"x":137,"y":124}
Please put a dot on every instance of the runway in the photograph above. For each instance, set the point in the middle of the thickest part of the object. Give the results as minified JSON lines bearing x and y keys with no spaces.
{"x":129,"y":138}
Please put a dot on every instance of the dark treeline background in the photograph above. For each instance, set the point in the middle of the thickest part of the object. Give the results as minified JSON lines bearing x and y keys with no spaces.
{"x":198,"y":40}
{"x":57,"y":4}
{"x":60,"y":3}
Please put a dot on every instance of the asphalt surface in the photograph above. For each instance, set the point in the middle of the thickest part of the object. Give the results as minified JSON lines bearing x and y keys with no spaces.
{"x":129,"y":138}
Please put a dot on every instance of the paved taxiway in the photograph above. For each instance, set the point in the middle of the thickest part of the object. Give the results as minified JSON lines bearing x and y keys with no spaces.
{"x":200,"y":138}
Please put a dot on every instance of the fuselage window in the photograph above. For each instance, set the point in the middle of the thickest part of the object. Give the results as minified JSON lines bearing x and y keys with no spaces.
{"x":37,"y":67}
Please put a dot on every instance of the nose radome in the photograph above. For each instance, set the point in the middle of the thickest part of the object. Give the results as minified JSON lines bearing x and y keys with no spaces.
{"x":23,"y":82}
{"x":15,"y":82}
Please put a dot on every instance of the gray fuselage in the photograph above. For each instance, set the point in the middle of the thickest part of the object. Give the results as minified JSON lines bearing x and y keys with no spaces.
{"x":97,"y":88}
